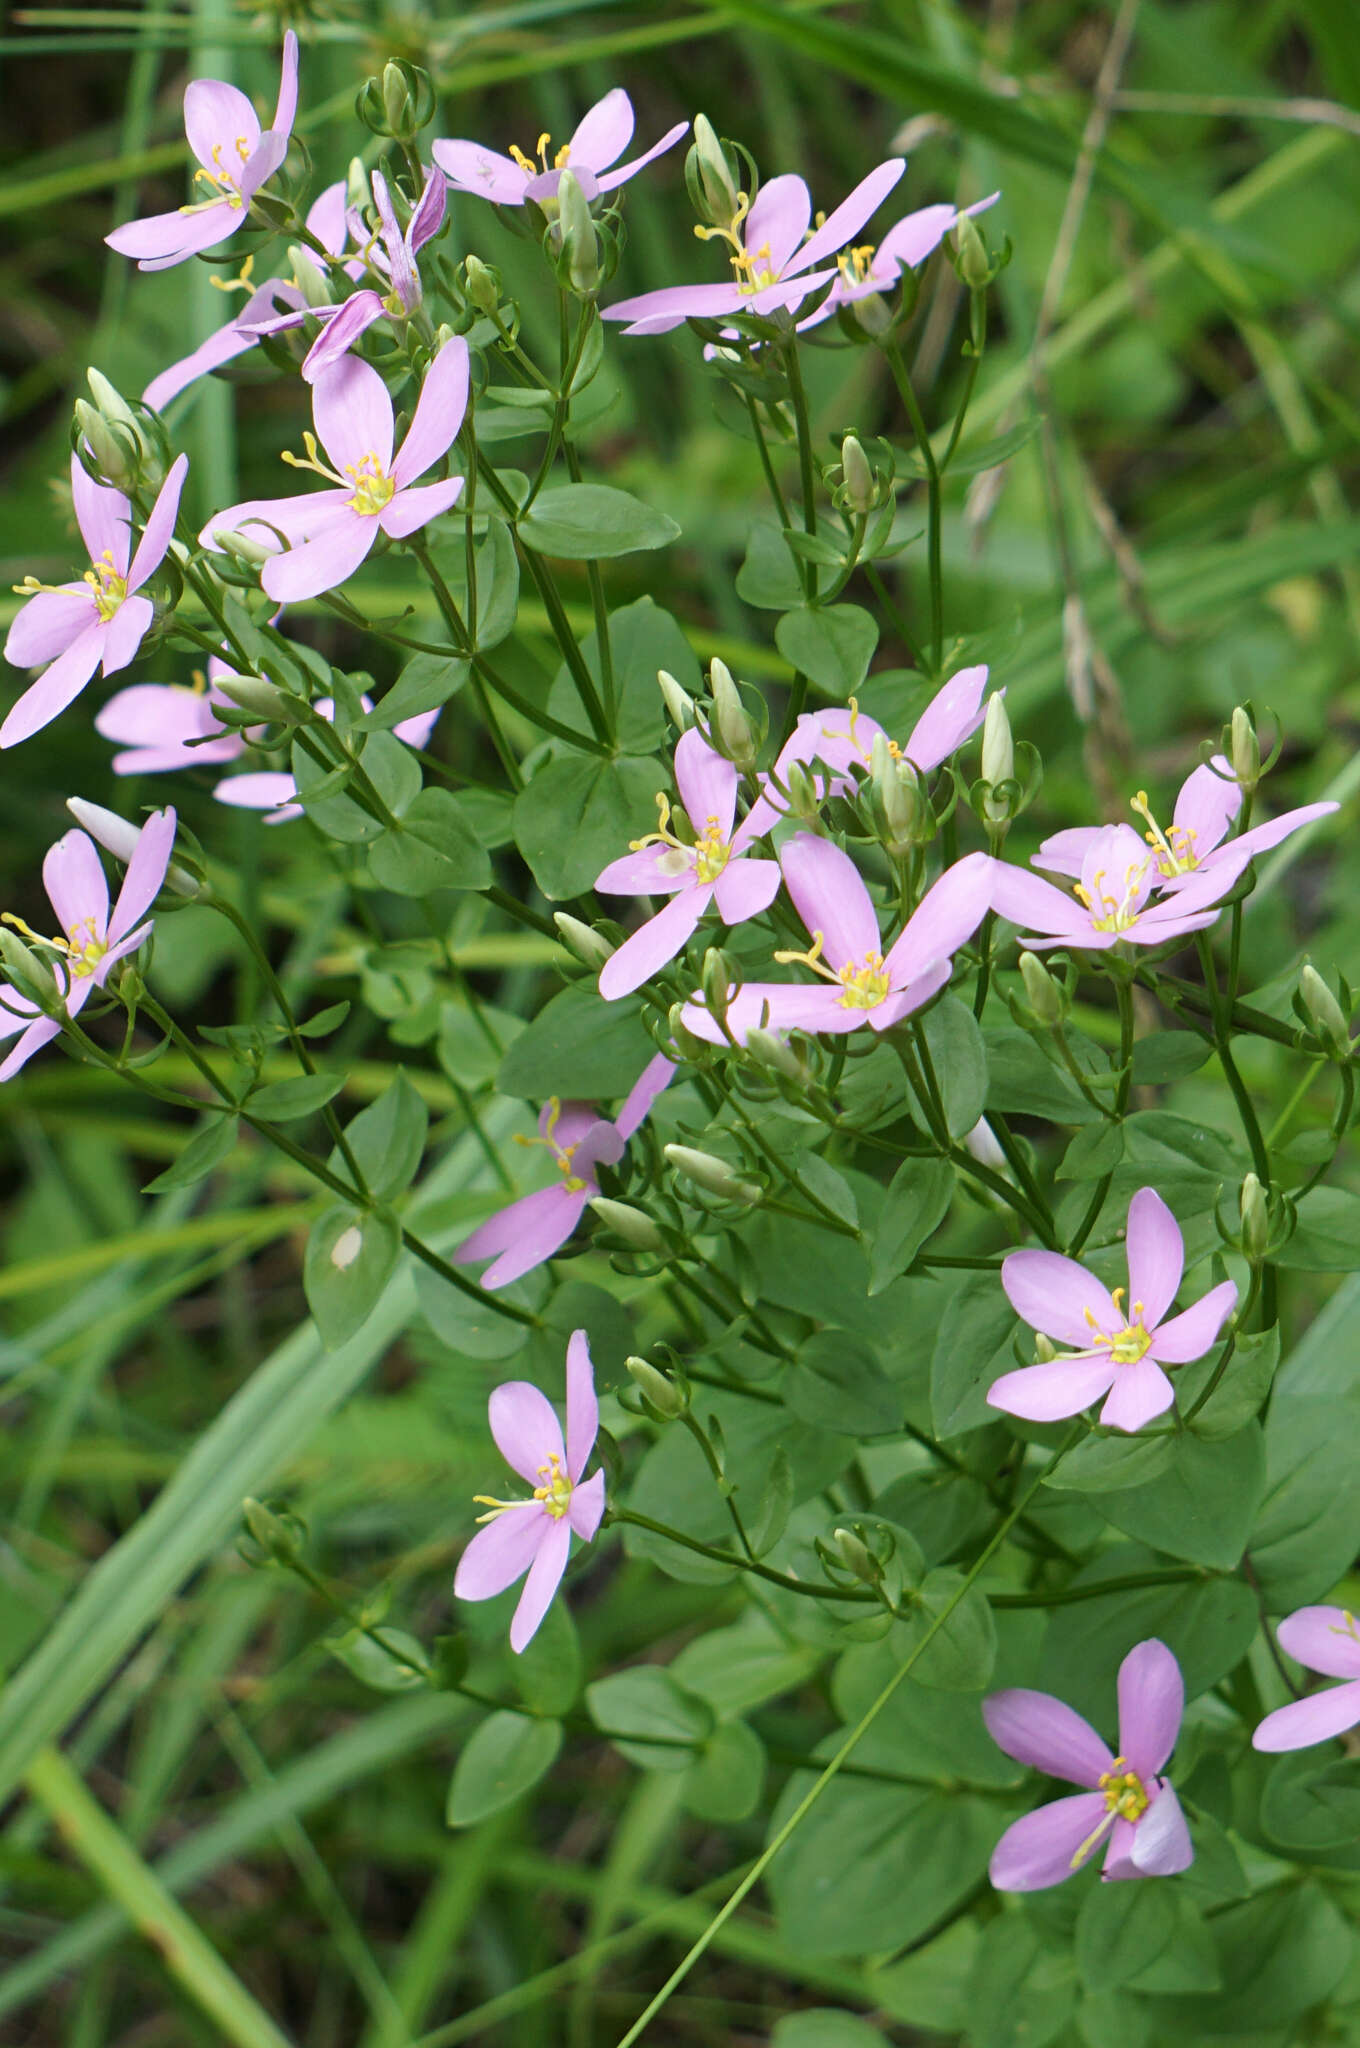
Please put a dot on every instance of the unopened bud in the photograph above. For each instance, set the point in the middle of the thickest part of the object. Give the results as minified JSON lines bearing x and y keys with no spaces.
{"x":860,"y":488}
{"x":243,"y":548}
{"x":309,"y":279}
{"x":1246,"y":750}
{"x":716,"y":982}
{"x":713,"y":1174}
{"x":634,"y":1226}
{"x":120,"y":443}
{"x":357,"y":191}
{"x":1042,"y":992}
{"x":580,"y":244}
{"x":1255,"y":1220}
{"x":710,"y":177}
{"x":873,"y":314}
{"x":30,"y":975}
{"x":679,"y":704}
{"x":408,"y":98}
{"x":581,"y":942}
{"x":659,"y":1392}
{"x":856,"y":1556}
{"x":279,"y":1536}
{"x":775,"y":1052}
{"x":263,"y":699}
{"x":691,"y":1049}
{"x":982,"y":1143}
{"x":1045,"y":1350}
{"x":1325,"y":1013}
{"x":974,"y":264}
{"x":114,"y":458}
{"x":998,"y":749}
{"x":805,"y":798}
{"x":899,"y":795}
{"x":734,"y":729}
{"x":120,"y":838}
{"x":481,"y":284}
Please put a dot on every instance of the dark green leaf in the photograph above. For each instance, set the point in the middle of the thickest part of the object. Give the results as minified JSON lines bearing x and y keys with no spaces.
{"x":585,"y":522}
{"x":503,"y":1758}
{"x":434,"y":848}
{"x":836,"y":1382}
{"x":975,"y":1346}
{"x":1094,"y":1151}
{"x":1169,"y":1056}
{"x":350,"y":1258}
{"x":578,"y":814}
{"x":1203,"y":1505}
{"x":959,"y":1058}
{"x":727,"y":1778}
{"x":832,"y":647}
{"x":578,"y":1045}
{"x":283,"y":1102}
{"x":387,"y":1139}
{"x":205,"y":1150}
{"x":918,"y":1200}
{"x":427,"y":681}
{"x":646,"y":1702}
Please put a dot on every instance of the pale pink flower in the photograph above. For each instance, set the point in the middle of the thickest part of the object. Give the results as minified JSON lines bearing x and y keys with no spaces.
{"x":1128,"y":1803}
{"x":1115,"y":901}
{"x":100,"y":621}
{"x":1324,"y":1639}
{"x":862,"y":271}
{"x":534,"y":1536}
{"x":1121,"y":1349}
{"x":393,"y":255}
{"x":592,"y":157}
{"x":235,"y":158}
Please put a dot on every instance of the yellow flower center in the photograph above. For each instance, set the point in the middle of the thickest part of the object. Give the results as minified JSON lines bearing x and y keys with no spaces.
{"x":1111,"y":913}
{"x":108,"y":586}
{"x":1174,"y":849}
{"x":862,"y":988}
{"x":221,"y":182}
{"x":84,"y":949}
{"x":562,"y":1154}
{"x":856,"y":265}
{"x":1124,"y":1346}
{"x":1126,"y":1798}
{"x":556,"y":1491}
{"x":708,"y":856}
{"x":531,"y":169}
{"x":374,"y":490}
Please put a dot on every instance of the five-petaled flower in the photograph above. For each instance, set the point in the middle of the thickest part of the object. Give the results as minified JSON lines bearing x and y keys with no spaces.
{"x":235,"y":158}
{"x":392,"y":254}
{"x":774,"y":259}
{"x":1121,"y":1347}
{"x":1196,"y":841}
{"x":861,"y":984}
{"x":329,"y":533}
{"x":866,"y":269}
{"x":714,"y":868}
{"x":1114,"y":901}
{"x":1324,"y":1639}
{"x":92,"y":939}
{"x":592,"y":156}
{"x":534,"y":1535}
{"x":102,"y":620}
{"x":1128,"y":1805}
{"x":528,"y":1231}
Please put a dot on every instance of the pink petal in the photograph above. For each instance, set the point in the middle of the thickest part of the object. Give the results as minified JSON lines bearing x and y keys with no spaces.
{"x":1151,"y":1703}
{"x":545,"y":1576}
{"x":953,"y":714}
{"x":160,"y":526}
{"x":1161,"y":1840}
{"x":1140,"y":1392}
{"x":150,"y":714}
{"x":1053,"y":1390}
{"x":586,"y":1507}
{"x":1262,"y":837}
{"x":604,"y":133}
{"x":326,"y":216}
{"x":844,"y":222}
{"x":118,"y":952}
{"x":55,"y":688}
{"x":583,"y":1410}
{"x":1297,"y":1726}
{"x":472,"y":168}
{"x":126,"y":631}
{"x":45,"y":626}
{"x":1044,"y":1732}
{"x":1056,"y":1295}
{"x":16,"y":1012}
{"x":1026,"y":900}
{"x":438,"y":415}
{"x":948,"y":914}
{"x":1119,"y":1865}
{"x":525,"y":1426}
{"x":286,"y":109}
{"x":654,"y":943}
{"x":501,"y":1552}
{"x":640,"y":874}
{"x":352,"y":414}
{"x":1323,"y":1638}
{"x":653,"y":1081}
{"x":907,"y":999}
{"x":223,"y":347}
{"x":145,"y":873}
{"x":657,"y":312}
{"x":830,"y":897}
{"x":165,"y":239}
{"x":259,"y":790}
{"x":344,"y":326}
{"x":1209,"y":801}
{"x":417,"y":505}
{"x":1189,"y":1335}
{"x":778,"y":220}
{"x":321,"y":564}
{"x":214,"y":115}
{"x":104,"y":517}
{"x":1044,"y":1848}
{"x":415,"y":732}
{"x":37,"y":1035}
{"x":775,"y":1006}
{"x":745,"y":888}
{"x":73,"y":876}
{"x":428,"y":217}
{"x":266,"y":158}
{"x":305,"y":516}
{"x":1064,"y":852}
{"x":1156,"y":1253}
{"x":1208,"y":885}
{"x":623,"y":172}
{"x":547,"y":1220}
{"x":707,"y":783}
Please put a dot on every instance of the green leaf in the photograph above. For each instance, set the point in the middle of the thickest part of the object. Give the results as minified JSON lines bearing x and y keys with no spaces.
{"x":742,"y":1667}
{"x":497,"y":587}
{"x":1095,"y":1151}
{"x":917,"y":1203}
{"x":776,"y":1505}
{"x":284,"y":1102}
{"x":832,"y":647}
{"x":1023,"y":1081}
{"x":975,"y":1345}
{"x":642,"y":639}
{"x":1104,"y":1464}
{"x":961,"y":1654}
{"x":1242,"y":1391}
{"x":726,"y":1780}
{"x":375,"y":1664}
{"x":1207,"y":1625}
{"x":325,"y":1021}
{"x":836,"y":1382}
{"x":321,"y":792}
{"x":1203,"y":1506}
{"x":427,"y":681}
{"x":205,"y":1150}
{"x":1121,"y":1929}
{"x":578,"y":814}
{"x":1278,"y":1955}
{"x":591,"y":522}
{"x":1308,"y":1530}
{"x":393,"y":770}
{"x":578,"y":1045}
{"x":1311,"y":1801}
{"x":350,"y":1257}
{"x":1328,"y":1236}
{"x":631,"y":1706}
{"x":387,"y":1139}
{"x":768,"y":578}
{"x":434,"y":847}
{"x":1169,"y":1056}
{"x":959,"y":1057}
{"x":504,"y":1758}
{"x":547,"y":1672}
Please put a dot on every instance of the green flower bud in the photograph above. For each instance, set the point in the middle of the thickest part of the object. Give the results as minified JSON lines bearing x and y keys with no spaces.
{"x":710,"y":178}
{"x":357,"y":192}
{"x":974,"y":264}
{"x":1325,"y":1013}
{"x":581,"y":942}
{"x":804,"y":800}
{"x":873,"y":314}
{"x":481,"y":284}
{"x":715,"y":1175}
{"x":660,"y":1393}
{"x":856,"y":1556}
{"x":1255,"y":1220}
{"x":679,"y":704}
{"x":769,"y":1050}
{"x":1042,"y":992}
{"x":279,"y":1536}
{"x":313,"y":286}
{"x":998,"y":749}
{"x":716,"y":982}
{"x":634,"y":1226}
{"x":905,"y":811}
{"x":859,"y":489}
{"x":1245,"y":750}
{"x":581,"y":256}
{"x":264,"y":699}
{"x":732,"y":729}
{"x":691,"y":1049}
{"x":118,"y":440}
{"x":1045,"y":1351}
{"x":242,"y":548}
{"x":31,"y":975}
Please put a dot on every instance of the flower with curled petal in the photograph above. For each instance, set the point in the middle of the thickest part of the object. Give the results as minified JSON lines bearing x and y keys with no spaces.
{"x":592,"y":156}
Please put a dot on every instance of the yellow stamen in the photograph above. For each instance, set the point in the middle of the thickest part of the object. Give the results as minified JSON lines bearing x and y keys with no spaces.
{"x":556,"y":1490}
{"x":855,"y":265}
{"x":1174,"y":849}
{"x":708,"y":856}
{"x":1111,"y":913}
{"x":1126,"y":1798}
{"x":863,"y":988}
{"x":562,"y":1154}
{"x":240,"y":283}
{"x":374,"y":489}
{"x":108,"y":586}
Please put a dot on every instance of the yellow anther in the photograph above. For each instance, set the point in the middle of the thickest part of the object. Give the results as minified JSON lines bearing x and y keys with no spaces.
{"x":562,"y":1154}
{"x":374,"y":489}
{"x":241,"y":283}
{"x":855,"y":265}
{"x":108,"y":587}
{"x":526,"y":163}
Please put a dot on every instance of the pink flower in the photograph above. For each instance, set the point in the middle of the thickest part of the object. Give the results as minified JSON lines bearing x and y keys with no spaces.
{"x":599,"y":141}
{"x":534,"y":1536}
{"x":329,"y":533}
{"x":100,"y":620}
{"x":1128,"y":1801}
{"x":865,"y":270}
{"x":860,"y":983}
{"x":773,"y":257}
{"x":1324,"y":1639}
{"x":715,"y":869}
{"x":1113,"y":902}
{"x":1121,"y":1352}
{"x":843,"y":740}
{"x":92,"y":941}
{"x":1196,"y":841}
{"x":343,"y":324}
{"x":235,"y":159}
{"x":530,"y":1230}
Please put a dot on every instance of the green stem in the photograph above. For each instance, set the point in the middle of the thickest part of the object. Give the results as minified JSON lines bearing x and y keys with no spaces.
{"x":934,"y":505}
{"x":741,"y":1564}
